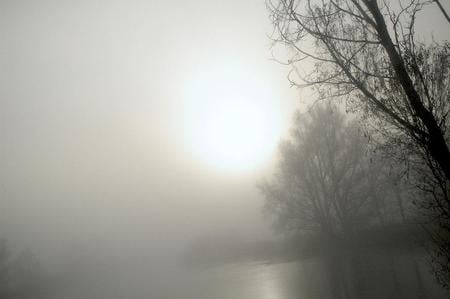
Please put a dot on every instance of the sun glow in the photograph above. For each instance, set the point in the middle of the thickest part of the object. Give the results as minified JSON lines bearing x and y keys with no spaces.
{"x":232,"y":119}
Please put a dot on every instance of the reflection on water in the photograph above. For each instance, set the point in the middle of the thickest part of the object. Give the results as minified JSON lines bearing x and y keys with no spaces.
{"x":298,"y":279}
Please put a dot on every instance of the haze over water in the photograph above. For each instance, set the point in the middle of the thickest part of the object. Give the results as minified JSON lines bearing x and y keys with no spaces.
{"x":132,"y":131}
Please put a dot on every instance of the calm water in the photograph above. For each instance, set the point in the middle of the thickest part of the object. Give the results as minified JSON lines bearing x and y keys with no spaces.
{"x":288,"y":280}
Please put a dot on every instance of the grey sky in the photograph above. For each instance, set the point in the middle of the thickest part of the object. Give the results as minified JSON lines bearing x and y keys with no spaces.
{"x":90,"y":119}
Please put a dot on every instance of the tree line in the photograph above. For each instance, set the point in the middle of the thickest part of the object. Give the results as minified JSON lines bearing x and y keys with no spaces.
{"x":337,"y":176}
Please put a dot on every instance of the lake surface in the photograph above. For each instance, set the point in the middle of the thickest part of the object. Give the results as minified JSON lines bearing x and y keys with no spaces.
{"x":286,"y":280}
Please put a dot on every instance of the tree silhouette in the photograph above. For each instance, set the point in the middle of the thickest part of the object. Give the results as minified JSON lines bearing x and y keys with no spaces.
{"x":325,"y":178}
{"x":365,"y":52}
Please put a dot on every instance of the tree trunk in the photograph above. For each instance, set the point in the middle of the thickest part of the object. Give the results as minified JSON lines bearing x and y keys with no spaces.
{"x":434,"y":140}
{"x":444,"y":12}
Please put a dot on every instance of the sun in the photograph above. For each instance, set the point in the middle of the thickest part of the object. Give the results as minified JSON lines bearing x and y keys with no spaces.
{"x":231,"y":118}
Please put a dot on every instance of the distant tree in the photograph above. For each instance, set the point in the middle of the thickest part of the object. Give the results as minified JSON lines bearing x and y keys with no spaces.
{"x":325,"y":176}
{"x":365,"y":51}
{"x":19,"y":274}
{"x":4,"y":268}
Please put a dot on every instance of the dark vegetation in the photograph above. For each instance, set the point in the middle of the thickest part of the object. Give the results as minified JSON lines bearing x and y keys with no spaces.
{"x":20,"y":274}
{"x":348,"y":200}
{"x":365,"y":55}
{"x":336,"y":198}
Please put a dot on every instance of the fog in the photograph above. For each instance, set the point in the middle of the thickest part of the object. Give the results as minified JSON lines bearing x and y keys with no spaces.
{"x":94,"y":161}
{"x":91,"y":97}
{"x":99,"y":177}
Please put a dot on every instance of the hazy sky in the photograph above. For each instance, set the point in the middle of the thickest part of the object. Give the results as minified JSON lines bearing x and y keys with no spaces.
{"x":93,"y":97}
{"x":92,"y":132}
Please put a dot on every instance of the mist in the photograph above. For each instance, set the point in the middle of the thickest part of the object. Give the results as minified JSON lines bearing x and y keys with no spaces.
{"x":111,"y":186}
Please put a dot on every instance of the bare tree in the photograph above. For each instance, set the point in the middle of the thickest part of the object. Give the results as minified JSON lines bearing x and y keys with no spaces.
{"x":328,"y":184}
{"x":356,"y":55}
{"x":442,"y":9}
{"x":365,"y":52}
{"x":323,"y":180}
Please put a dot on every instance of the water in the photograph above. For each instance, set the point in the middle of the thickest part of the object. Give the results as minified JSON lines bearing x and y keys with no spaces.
{"x":246,"y":280}
{"x":306,"y":279}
